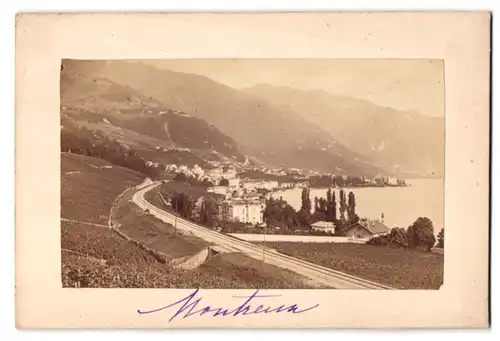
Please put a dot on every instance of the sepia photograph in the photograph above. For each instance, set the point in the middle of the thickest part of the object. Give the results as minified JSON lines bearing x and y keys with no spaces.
{"x":252,"y":170}
{"x":252,"y":173}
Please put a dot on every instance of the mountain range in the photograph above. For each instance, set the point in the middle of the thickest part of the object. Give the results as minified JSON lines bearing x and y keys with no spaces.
{"x":400,"y":141}
{"x":273,"y":126}
{"x":140,"y":123}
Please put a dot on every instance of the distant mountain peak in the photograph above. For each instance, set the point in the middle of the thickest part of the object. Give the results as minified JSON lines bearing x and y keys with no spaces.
{"x":257,"y":126}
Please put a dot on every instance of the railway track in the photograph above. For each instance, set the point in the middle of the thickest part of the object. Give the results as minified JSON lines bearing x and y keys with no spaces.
{"x":324,"y":275}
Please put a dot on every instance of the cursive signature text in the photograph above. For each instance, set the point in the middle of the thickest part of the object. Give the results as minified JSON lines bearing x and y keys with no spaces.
{"x":190,"y":305}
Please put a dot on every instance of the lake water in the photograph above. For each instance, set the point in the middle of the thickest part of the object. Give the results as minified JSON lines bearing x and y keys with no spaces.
{"x":400,"y":205}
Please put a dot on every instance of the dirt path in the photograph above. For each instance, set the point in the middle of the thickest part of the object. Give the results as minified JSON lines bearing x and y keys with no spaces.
{"x":82,"y":222}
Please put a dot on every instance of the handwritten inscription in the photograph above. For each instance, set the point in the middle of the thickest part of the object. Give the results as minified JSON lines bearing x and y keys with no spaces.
{"x":190,"y":306}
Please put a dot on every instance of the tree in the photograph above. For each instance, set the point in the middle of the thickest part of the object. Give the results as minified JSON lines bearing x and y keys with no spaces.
{"x":343,"y":209}
{"x":207,"y":183}
{"x":421,"y":233}
{"x":182,"y":205}
{"x":86,"y":142}
{"x":322,"y":205}
{"x":398,"y":237}
{"x":290,"y":217}
{"x":224,"y":182}
{"x":304,"y":215}
{"x":306,"y":200}
{"x":351,"y":209}
{"x":319,"y":216}
{"x":440,"y":242}
{"x":181,"y":177}
{"x":329,"y":205}
{"x":304,"y":218}
{"x":316,"y":204}
{"x":333,"y":209}
{"x":209,"y":212}
{"x":273,"y":213}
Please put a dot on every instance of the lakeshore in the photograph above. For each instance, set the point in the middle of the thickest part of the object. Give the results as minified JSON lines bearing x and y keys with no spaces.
{"x":400,"y":205}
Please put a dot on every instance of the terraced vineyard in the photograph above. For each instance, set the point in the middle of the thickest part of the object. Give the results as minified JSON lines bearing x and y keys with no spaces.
{"x":98,"y":257}
{"x":90,"y":185}
{"x":396,"y":267}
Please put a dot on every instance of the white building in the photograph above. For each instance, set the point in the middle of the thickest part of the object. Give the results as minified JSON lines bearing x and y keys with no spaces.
{"x":171,"y":167}
{"x":287,"y":185}
{"x":272,"y":184}
{"x":249,"y":185}
{"x":215,"y":174}
{"x":152,"y":164}
{"x":230,"y":173}
{"x":324,"y":226}
{"x":198,"y":171}
{"x":234,"y":183}
{"x":246,"y":211}
{"x":222,"y":190}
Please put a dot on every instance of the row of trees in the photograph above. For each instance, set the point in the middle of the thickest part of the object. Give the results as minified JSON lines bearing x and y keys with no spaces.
{"x":209,"y":212}
{"x":419,"y":234}
{"x":184,"y":205}
{"x":84,"y":142}
{"x":326,"y":209}
{"x":279,"y":213}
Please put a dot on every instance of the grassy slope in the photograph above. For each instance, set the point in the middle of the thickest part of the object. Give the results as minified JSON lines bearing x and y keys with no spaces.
{"x":127,"y":265}
{"x":99,"y":258}
{"x":400,"y":268}
{"x":238,"y":267}
{"x":87,"y":193}
{"x":154,"y":233}
{"x":94,"y":256}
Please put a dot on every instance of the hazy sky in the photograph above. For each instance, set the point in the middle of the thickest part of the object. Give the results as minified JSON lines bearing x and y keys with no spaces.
{"x":402,"y":84}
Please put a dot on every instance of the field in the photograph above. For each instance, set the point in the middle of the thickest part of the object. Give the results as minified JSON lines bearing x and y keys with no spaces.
{"x":154,"y":233}
{"x":238,"y":267}
{"x":396,"y":267}
{"x":88,"y":190}
{"x":153,"y":198}
{"x":97,"y":257}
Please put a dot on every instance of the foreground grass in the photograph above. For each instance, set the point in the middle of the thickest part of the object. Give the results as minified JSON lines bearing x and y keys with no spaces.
{"x":239,"y":267}
{"x":396,"y":267}
{"x":97,"y":257}
{"x":154,"y":233}
{"x":87,"y":191}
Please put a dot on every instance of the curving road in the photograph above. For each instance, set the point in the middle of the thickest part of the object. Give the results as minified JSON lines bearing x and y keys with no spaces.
{"x":320,"y":274}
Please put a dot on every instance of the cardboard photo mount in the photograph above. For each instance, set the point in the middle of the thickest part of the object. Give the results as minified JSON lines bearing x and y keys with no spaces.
{"x":461,"y":40}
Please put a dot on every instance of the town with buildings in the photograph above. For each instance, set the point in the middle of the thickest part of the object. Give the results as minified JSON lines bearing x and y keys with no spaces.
{"x":243,"y":191}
